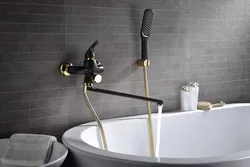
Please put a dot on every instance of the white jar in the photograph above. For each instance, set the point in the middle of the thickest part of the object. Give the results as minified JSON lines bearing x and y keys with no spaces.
{"x":194,"y":95}
{"x":185,"y":98}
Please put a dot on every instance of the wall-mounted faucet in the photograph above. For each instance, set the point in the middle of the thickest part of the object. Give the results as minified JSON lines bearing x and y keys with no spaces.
{"x":92,"y":70}
{"x":91,"y":67}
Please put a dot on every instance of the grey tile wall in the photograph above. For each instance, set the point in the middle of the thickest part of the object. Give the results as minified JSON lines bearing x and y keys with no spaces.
{"x":192,"y":40}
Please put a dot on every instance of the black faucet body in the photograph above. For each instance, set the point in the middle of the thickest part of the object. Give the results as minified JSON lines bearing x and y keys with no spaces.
{"x":90,"y":65}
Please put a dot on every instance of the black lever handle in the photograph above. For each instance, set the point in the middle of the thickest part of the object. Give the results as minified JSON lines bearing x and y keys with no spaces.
{"x":93,"y":45}
{"x":90,"y":52}
{"x":90,"y":67}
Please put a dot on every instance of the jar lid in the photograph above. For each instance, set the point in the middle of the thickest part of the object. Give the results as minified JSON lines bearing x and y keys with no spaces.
{"x":194,"y":84}
{"x":185,"y":88}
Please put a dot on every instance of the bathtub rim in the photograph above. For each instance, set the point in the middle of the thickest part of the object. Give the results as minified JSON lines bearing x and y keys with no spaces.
{"x":82,"y":146}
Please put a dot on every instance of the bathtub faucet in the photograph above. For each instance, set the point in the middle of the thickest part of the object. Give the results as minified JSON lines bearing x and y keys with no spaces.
{"x":91,"y":67}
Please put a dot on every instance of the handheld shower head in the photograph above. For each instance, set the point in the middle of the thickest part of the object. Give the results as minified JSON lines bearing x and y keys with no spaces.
{"x":145,"y":31}
{"x":147,"y":22}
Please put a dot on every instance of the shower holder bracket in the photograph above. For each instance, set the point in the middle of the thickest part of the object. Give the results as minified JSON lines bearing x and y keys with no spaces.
{"x":141,"y":62}
{"x":63,"y":68}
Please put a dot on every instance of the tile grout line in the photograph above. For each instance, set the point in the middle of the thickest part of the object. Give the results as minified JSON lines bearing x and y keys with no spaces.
{"x":29,"y":57}
{"x":65,"y":45}
{"x":102,"y":7}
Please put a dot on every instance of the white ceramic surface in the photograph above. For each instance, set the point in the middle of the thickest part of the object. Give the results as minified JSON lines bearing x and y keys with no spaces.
{"x":219,"y":137}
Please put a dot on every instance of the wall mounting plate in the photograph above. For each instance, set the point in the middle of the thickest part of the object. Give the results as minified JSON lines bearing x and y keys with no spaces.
{"x":63,"y":68}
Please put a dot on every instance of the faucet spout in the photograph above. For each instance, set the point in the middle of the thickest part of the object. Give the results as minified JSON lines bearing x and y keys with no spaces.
{"x":159,"y":102}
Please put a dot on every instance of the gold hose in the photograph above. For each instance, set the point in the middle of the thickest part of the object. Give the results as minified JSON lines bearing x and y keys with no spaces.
{"x":104,"y":141}
{"x":151,"y":138}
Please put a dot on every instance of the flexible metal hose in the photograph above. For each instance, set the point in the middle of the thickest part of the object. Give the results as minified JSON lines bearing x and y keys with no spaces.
{"x":104,"y":141}
{"x":151,"y":137}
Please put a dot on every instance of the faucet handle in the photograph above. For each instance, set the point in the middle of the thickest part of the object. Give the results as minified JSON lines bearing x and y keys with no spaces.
{"x":90,"y":52}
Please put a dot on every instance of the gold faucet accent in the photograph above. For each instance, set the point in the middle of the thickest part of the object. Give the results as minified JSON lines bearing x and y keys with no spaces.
{"x":104,"y":141}
{"x":145,"y":63}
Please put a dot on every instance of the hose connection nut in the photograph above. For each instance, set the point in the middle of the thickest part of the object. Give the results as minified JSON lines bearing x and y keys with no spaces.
{"x":141,"y":62}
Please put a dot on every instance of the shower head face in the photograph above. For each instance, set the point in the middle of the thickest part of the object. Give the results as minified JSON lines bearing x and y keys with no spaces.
{"x":147,"y":22}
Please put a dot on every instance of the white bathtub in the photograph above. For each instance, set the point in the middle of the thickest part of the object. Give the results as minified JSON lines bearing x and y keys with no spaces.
{"x":220,"y":137}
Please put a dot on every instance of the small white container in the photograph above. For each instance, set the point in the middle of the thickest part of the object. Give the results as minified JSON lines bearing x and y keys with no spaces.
{"x":185,"y":98}
{"x":194,"y":95}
